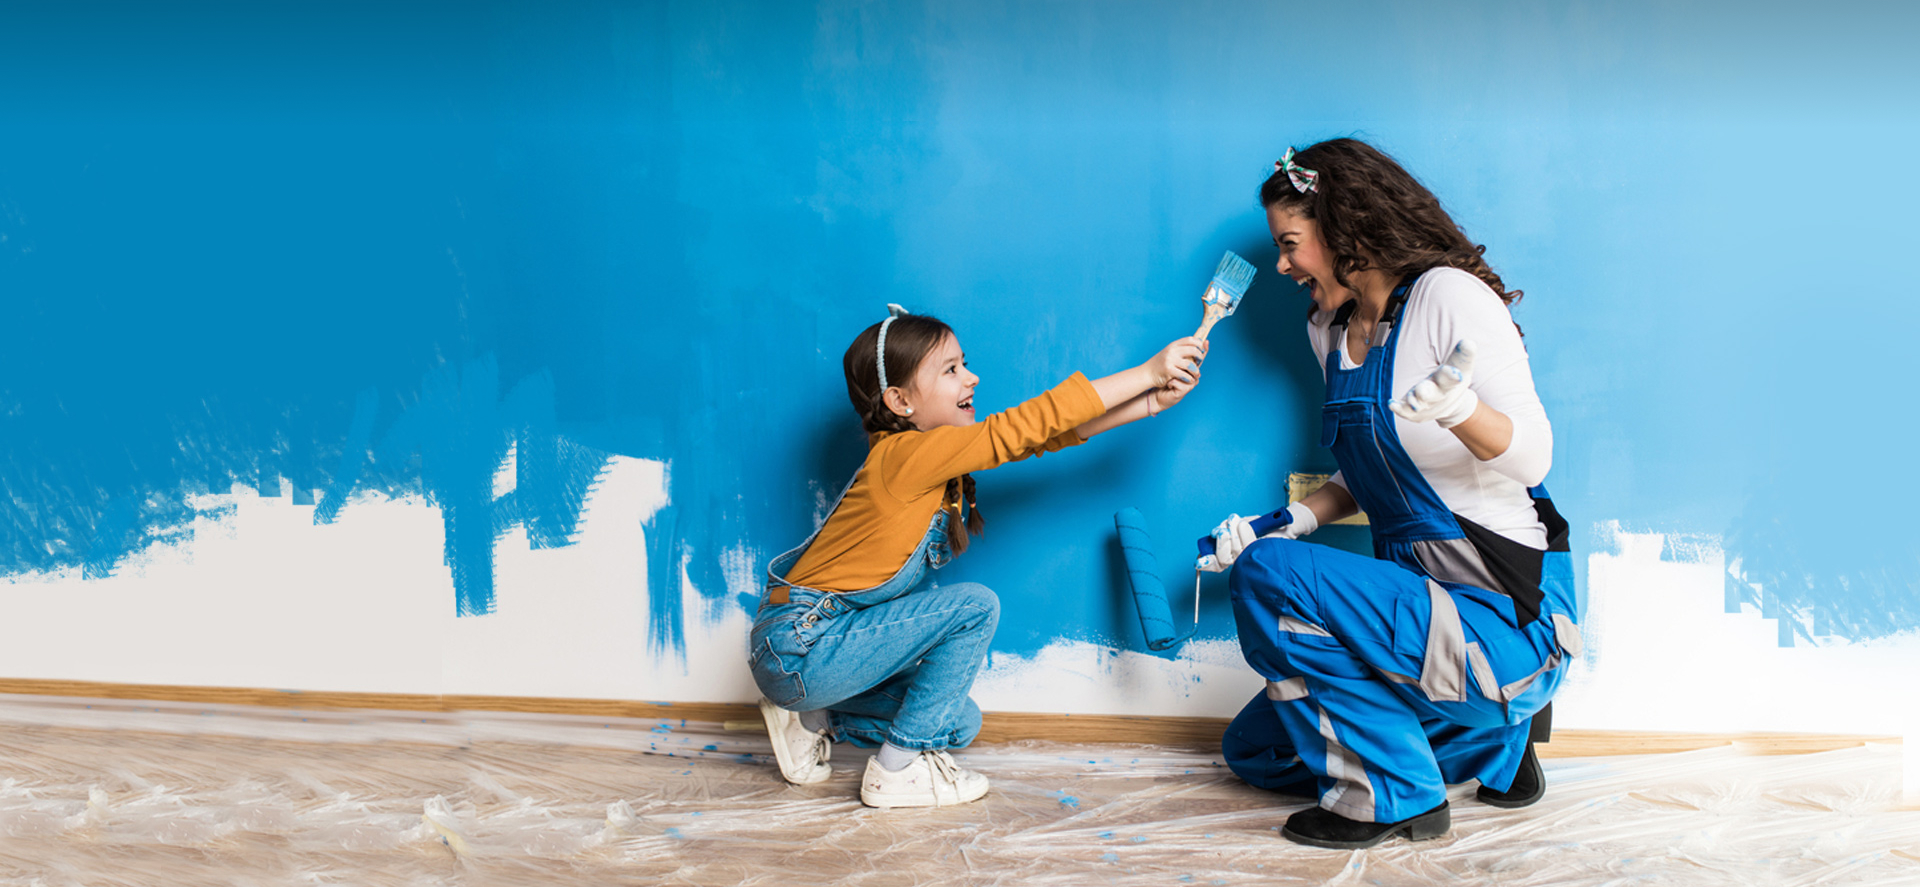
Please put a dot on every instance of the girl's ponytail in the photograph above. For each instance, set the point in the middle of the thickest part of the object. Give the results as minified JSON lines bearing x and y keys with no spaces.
{"x":961,"y":500}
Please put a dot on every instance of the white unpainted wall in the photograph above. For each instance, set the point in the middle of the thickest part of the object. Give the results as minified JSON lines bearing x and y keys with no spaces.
{"x":263,"y":597}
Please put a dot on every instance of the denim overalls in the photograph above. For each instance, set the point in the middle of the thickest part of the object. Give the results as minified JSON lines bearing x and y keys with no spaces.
{"x":1389,"y":677}
{"x":893,"y":662}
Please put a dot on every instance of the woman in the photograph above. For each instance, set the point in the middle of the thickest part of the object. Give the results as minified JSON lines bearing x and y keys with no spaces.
{"x":1389,"y":677}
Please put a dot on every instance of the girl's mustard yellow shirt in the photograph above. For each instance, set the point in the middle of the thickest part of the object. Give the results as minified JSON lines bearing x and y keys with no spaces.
{"x":904,"y":483}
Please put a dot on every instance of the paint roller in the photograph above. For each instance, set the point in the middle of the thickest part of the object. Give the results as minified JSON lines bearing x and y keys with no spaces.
{"x":1143,"y":574}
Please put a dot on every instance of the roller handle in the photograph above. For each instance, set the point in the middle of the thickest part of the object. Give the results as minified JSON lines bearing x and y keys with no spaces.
{"x":1262,"y":525}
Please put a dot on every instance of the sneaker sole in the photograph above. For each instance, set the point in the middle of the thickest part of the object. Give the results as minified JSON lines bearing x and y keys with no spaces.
{"x":884,"y":802}
{"x":770,"y":714}
{"x":1424,"y":827}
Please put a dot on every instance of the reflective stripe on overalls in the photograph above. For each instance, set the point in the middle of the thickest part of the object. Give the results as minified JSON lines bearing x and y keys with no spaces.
{"x":1391,"y":676}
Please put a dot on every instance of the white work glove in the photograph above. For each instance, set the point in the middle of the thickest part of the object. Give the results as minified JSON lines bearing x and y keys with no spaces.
{"x":1236,"y":533}
{"x":1443,"y":397}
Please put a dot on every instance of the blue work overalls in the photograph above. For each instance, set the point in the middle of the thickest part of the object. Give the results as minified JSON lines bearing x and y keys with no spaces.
{"x":893,"y":663}
{"x":1390,"y":677}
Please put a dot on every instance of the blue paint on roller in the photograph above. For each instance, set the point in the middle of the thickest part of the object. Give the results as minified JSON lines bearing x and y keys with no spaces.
{"x":1143,"y":574}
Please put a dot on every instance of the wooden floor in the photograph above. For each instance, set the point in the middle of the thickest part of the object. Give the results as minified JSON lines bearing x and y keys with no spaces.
{"x":108,"y":792}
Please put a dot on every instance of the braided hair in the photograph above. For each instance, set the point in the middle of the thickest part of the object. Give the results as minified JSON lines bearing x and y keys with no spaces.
{"x":910,"y":339}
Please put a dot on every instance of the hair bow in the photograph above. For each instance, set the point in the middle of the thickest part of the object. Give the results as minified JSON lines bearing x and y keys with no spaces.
{"x":1304,"y":180}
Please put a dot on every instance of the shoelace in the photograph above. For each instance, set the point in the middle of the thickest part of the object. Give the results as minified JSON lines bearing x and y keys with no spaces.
{"x":946,"y":771}
{"x":822,"y":748}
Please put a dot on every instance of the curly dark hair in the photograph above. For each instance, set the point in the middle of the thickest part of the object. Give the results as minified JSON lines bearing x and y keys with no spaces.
{"x":910,"y":338}
{"x":1373,"y":213}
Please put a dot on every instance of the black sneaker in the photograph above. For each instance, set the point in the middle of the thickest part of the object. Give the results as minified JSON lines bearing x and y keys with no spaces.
{"x":1324,"y":828}
{"x":1529,"y":785}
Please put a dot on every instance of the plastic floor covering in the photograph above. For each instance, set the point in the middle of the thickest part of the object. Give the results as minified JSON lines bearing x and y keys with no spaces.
{"x":96,"y":792}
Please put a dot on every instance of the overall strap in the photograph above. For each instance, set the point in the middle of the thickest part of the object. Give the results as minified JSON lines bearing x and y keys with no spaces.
{"x":1389,"y":316}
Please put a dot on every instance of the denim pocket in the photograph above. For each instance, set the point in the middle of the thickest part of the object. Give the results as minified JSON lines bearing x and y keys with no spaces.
{"x":781,"y":686}
{"x":788,"y":629}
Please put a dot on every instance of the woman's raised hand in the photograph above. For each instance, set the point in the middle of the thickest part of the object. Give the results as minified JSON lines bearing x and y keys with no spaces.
{"x":1444,"y":397}
{"x":1178,"y":362}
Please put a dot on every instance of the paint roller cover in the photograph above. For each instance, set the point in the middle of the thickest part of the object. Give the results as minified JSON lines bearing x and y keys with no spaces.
{"x":1143,"y":573}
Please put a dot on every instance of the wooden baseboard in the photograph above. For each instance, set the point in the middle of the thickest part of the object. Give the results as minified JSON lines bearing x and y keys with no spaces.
{"x":1200,"y":734}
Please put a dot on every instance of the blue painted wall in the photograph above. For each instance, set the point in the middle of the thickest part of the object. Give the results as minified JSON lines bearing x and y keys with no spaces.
{"x":371,"y":246}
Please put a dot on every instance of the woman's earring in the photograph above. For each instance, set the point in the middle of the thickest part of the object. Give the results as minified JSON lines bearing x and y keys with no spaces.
{"x":909,"y":411}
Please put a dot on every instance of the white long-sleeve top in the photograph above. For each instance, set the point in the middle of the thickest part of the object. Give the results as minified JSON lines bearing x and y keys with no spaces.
{"x":1445,"y":306}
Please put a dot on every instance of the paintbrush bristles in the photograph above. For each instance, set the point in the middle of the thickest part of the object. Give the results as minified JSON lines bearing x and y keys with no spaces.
{"x":1230,"y":282}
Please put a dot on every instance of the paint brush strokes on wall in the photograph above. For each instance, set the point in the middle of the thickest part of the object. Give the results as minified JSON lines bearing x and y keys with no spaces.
{"x":448,"y":445}
{"x":1823,"y":569}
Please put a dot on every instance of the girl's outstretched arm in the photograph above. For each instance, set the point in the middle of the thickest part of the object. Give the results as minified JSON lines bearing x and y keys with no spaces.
{"x":1152,"y":403}
{"x":1142,"y":391}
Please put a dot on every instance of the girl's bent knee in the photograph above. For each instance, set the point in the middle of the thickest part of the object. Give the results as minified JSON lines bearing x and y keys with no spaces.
{"x":979,"y":596}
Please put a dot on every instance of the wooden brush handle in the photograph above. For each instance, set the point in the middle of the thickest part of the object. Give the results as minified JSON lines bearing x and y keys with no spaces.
{"x":1214,"y":313}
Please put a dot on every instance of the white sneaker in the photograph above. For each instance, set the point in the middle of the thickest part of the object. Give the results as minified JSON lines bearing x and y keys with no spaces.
{"x":802,"y":753}
{"x":933,"y":780}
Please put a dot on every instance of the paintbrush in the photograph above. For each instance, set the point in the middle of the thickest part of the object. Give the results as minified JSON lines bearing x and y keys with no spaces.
{"x":1230,"y":281}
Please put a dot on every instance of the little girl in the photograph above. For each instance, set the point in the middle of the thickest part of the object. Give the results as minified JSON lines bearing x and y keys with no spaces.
{"x":848,"y":645}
